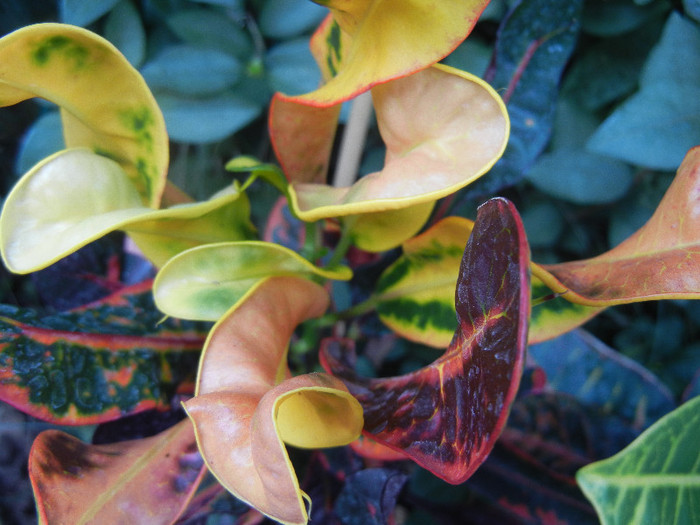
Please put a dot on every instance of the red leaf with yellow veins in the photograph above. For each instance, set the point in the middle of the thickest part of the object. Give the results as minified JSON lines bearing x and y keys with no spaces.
{"x":448,"y":415}
{"x":78,"y":483}
{"x":661,"y":260}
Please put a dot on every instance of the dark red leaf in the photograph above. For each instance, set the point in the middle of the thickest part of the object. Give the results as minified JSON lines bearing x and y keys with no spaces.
{"x":448,"y":415}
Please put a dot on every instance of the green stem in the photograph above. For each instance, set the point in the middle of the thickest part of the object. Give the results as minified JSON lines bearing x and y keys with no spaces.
{"x":344,"y":243}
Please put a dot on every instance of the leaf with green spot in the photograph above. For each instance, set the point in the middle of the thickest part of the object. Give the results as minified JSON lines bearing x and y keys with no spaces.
{"x":246,"y":406}
{"x":68,"y":66}
{"x":656,"y":479}
{"x":448,"y":415}
{"x":382,"y":43}
{"x":41,"y":223}
{"x":96,"y":363}
{"x":205,"y":282}
{"x":75,"y":482}
{"x":433,"y":149}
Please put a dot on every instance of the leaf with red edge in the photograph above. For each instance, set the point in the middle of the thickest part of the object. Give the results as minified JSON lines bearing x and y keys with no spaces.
{"x":661,"y":260}
{"x":443,"y":128}
{"x":380,"y":37}
{"x":448,"y":415}
{"x":96,"y":363}
{"x":142,"y":481}
{"x":245,"y":410}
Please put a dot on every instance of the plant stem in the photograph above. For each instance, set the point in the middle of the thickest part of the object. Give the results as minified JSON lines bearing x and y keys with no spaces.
{"x":353,"y":141}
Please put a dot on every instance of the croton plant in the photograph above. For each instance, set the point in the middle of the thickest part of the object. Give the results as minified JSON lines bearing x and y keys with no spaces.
{"x":247,"y":397}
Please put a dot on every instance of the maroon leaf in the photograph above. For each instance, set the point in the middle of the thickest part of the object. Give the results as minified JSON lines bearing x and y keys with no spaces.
{"x":448,"y":415}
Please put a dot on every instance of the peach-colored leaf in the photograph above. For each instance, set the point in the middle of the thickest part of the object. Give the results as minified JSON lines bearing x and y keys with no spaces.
{"x":443,"y":129}
{"x":383,"y":41}
{"x":661,"y":260}
{"x":105,"y":104}
{"x":148,"y":480}
{"x":245,"y":409}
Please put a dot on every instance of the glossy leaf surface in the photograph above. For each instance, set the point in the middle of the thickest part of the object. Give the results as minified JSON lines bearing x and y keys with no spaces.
{"x":203,"y":283}
{"x":78,"y":483}
{"x":660,"y":261}
{"x":243,"y":399}
{"x":41,"y":223}
{"x":448,"y":415}
{"x":68,"y":65}
{"x":443,"y":129}
{"x":382,"y":43}
{"x":98,"y":363}
{"x":640,"y":485}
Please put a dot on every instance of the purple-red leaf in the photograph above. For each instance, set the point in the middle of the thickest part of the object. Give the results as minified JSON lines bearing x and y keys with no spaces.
{"x":448,"y":415}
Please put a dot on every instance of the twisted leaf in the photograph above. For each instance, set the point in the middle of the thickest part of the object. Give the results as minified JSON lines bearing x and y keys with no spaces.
{"x":76,"y":196}
{"x":448,"y":415}
{"x":148,"y":480}
{"x":443,"y":128}
{"x":244,"y":409}
{"x":105,"y":104}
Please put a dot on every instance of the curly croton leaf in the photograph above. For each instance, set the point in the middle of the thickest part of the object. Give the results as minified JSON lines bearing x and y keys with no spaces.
{"x":75,"y":482}
{"x":448,"y":415}
{"x":116,"y":162}
{"x":246,"y":405}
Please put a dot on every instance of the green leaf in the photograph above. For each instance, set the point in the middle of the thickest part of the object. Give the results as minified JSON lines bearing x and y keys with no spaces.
{"x":580,"y":365}
{"x":284,"y":19}
{"x":95,"y":364}
{"x":191,"y":71}
{"x":528,"y":62}
{"x":291,"y":68}
{"x":124,"y":29}
{"x":40,"y":222}
{"x":205,"y":120}
{"x":84,"y":12}
{"x":44,"y":138}
{"x":656,"y":479}
{"x":581,"y":177}
{"x":659,"y":124}
{"x":209,"y":28}
{"x":205,"y":282}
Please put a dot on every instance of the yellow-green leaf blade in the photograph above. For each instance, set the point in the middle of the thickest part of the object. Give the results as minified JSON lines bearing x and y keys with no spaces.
{"x":204,"y":282}
{"x":105,"y":104}
{"x":382,"y":43}
{"x":76,"y":196}
{"x":656,"y":479}
{"x":443,"y":129}
{"x":384,"y":230}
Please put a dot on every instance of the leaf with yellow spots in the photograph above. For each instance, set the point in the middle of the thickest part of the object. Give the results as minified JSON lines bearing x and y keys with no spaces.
{"x":105,"y":104}
{"x":75,"y":482}
{"x":247,"y":407}
{"x":448,"y":415}
{"x":661,"y":260}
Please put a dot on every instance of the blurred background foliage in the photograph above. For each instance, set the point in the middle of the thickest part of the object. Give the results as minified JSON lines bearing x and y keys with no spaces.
{"x":603,"y":97}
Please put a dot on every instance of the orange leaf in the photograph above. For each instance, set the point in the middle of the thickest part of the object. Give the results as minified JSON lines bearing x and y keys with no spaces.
{"x":659,"y":261}
{"x":244,"y":409}
{"x":443,"y":129}
{"x":143,"y":481}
